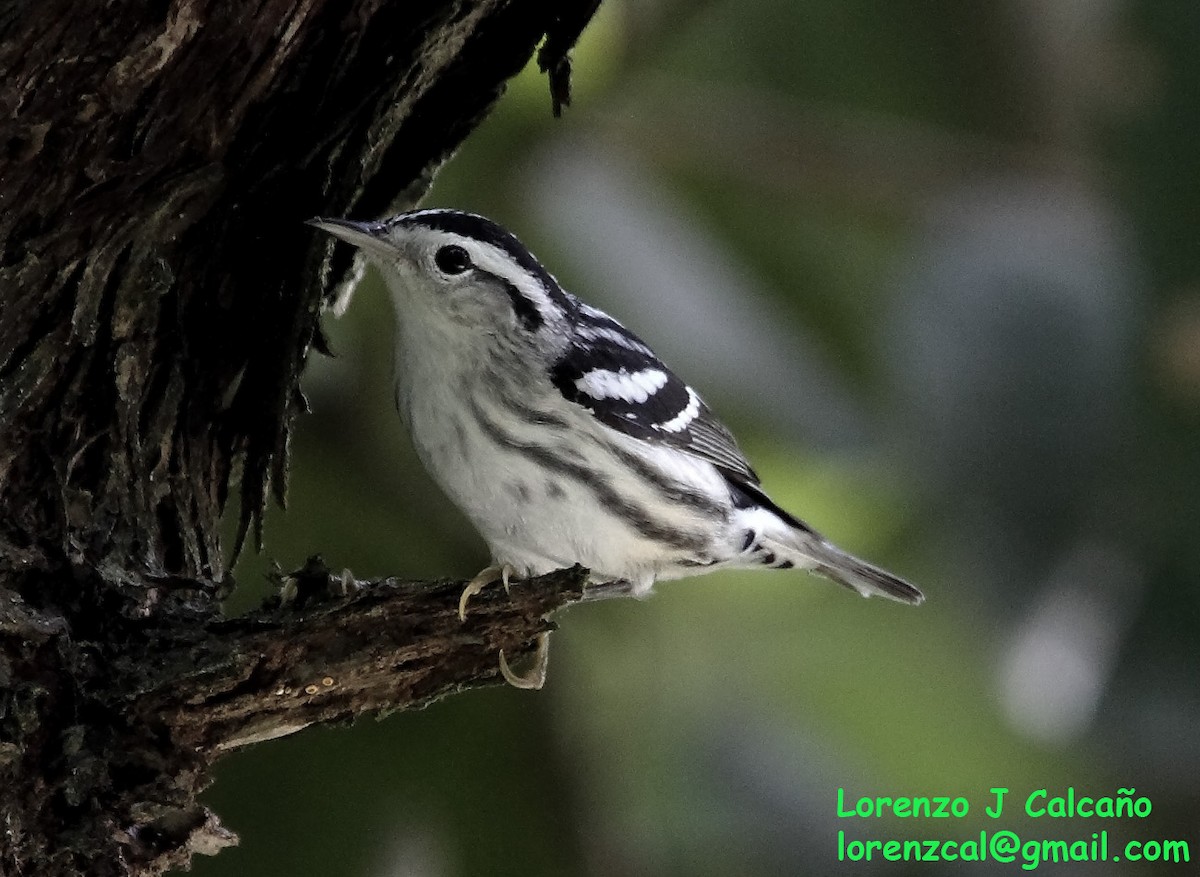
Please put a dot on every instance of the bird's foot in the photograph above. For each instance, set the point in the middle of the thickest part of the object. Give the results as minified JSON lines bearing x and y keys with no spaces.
{"x":536,"y":677}
{"x":481,"y":581}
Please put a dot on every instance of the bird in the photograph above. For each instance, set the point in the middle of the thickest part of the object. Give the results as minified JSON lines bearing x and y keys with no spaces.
{"x":560,"y":434}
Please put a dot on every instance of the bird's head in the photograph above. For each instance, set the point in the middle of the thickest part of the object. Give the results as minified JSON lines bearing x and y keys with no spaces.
{"x":463,"y":272}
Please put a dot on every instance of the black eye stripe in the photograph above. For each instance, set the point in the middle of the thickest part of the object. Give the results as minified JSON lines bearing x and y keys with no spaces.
{"x":484,"y":230}
{"x":452,"y":259}
{"x":525,"y":310}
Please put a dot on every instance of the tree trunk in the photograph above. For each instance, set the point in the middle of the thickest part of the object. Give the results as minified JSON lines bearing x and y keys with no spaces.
{"x":159,"y":295}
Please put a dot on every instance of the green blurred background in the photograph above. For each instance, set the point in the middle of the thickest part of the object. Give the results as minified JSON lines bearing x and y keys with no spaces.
{"x":938,"y":265}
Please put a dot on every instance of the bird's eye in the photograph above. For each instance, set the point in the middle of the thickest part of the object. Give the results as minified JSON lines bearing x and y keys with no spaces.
{"x":452,"y":259}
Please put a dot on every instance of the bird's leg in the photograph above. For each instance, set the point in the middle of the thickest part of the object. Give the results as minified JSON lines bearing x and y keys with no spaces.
{"x":612,"y":590}
{"x":536,"y":677}
{"x":481,"y":581}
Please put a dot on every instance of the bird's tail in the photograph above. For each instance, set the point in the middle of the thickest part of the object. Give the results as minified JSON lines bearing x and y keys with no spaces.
{"x":777,"y":538}
{"x":828,"y":560}
{"x":795,"y":541}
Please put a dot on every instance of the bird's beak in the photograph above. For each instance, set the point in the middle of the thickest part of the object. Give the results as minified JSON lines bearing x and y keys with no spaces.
{"x":361,"y":234}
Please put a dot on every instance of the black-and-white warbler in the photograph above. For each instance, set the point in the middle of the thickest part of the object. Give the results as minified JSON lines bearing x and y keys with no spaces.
{"x":558,"y":431}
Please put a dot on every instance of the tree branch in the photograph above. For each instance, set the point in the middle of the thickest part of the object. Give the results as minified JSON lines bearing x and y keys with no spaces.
{"x":154,"y":712}
{"x":388,"y":645}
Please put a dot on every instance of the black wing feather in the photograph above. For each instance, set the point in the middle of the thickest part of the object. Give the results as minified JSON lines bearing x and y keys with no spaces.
{"x":601,"y":344}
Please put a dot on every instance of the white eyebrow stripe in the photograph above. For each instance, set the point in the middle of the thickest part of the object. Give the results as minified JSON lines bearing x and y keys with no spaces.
{"x":638,"y":386}
{"x":495,"y":261}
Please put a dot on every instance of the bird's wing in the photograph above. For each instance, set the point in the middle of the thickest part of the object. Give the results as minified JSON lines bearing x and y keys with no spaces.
{"x":614,"y":375}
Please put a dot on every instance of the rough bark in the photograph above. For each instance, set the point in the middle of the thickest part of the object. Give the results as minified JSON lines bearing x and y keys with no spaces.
{"x":159,"y":295}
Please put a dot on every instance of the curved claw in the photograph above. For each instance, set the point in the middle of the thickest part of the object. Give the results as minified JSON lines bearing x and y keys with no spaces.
{"x":536,"y":677}
{"x":481,"y":581}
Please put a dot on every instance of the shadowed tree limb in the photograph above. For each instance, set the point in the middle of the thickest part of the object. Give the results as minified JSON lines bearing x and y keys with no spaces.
{"x":386,"y":645}
{"x":154,"y":707}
